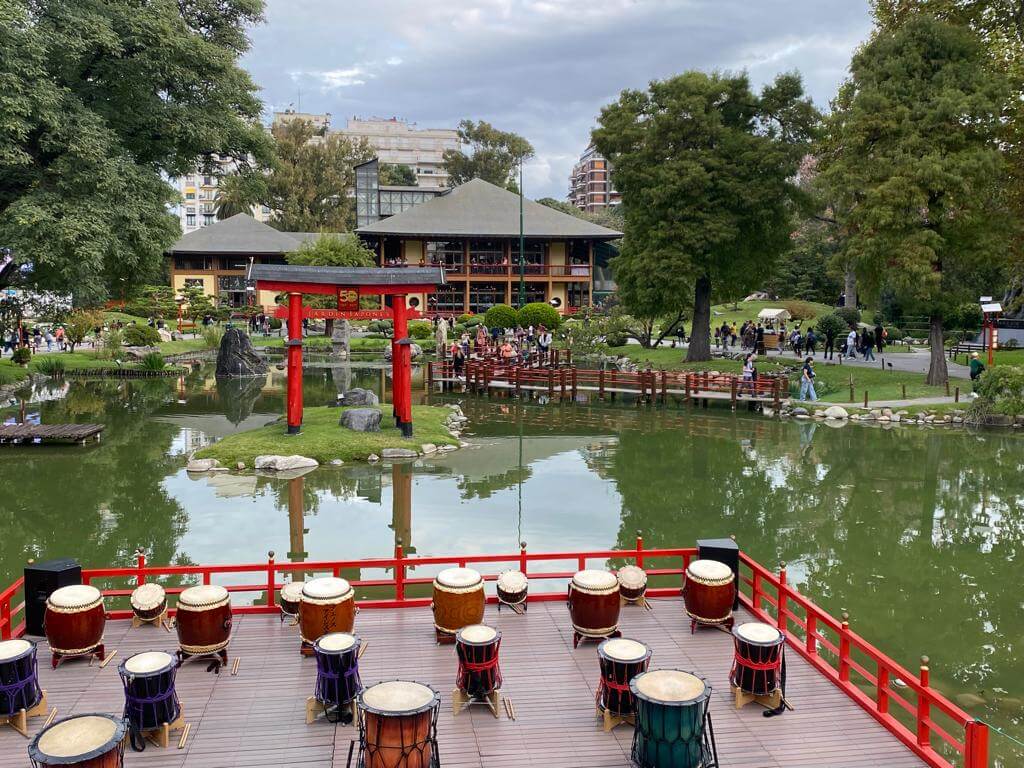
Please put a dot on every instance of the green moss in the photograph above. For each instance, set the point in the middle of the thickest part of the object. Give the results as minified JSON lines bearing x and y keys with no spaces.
{"x":322,"y":439}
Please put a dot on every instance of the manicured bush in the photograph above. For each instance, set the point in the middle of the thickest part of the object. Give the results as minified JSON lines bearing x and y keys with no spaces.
{"x":799,"y":310}
{"x":470,"y":321}
{"x":537,"y":314}
{"x":381,"y":326}
{"x":420,"y":329}
{"x":833,"y":324}
{"x":50,"y":366}
{"x":850,"y":315}
{"x":500,"y":316}
{"x":154,"y":361}
{"x":275,"y":323}
{"x":21,"y":356}
{"x":1000,"y":391}
{"x":141,"y":336}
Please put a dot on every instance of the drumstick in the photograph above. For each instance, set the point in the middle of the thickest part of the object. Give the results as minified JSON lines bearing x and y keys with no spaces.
{"x":184,"y":735}
{"x":106,"y":661}
{"x":50,"y":717}
{"x":513,"y":706}
{"x":508,"y":709}
{"x":234,"y":665}
{"x":362,"y":649}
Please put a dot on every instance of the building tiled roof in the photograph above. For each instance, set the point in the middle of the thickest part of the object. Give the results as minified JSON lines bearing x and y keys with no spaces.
{"x":347,"y":275}
{"x":481,"y":209}
{"x":240,"y":234}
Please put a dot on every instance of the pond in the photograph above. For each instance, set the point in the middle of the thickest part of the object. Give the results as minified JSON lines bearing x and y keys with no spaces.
{"x":916,"y":532}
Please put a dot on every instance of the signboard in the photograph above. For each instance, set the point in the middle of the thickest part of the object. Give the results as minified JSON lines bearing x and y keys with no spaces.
{"x":337,"y":314}
{"x":348,"y":300}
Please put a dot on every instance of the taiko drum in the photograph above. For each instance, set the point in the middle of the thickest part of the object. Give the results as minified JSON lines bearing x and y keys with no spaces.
{"x":75,"y":618}
{"x":204,"y":620}
{"x":709,"y":590}
{"x":86,"y":741}
{"x":594,"y":603}
{"x":328,"y":605}
{"x":458,"y":599}
{"x":398,"y":725}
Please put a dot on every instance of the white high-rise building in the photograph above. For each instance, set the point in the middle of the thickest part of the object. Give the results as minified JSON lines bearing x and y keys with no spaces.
{"x":198,"y":207}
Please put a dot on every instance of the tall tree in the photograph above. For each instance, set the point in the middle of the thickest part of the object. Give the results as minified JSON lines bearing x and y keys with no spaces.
{"x":705,"y":168}
{"x":100,"y":101}
{"x":495,"y":155}
{"x":912,"y":147}
{"x":397,"y":174}
{"x":331,"y":251}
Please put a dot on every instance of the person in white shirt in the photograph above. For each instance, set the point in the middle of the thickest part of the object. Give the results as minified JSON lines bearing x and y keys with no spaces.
{"x":851,"y":343}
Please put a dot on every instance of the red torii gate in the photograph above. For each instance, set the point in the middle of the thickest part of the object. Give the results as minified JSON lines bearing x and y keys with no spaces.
{"x":348,"y":284}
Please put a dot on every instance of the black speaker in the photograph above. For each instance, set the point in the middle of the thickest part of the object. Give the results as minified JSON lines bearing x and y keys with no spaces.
{"x":42,"y":580}
{"x":724,"y":551}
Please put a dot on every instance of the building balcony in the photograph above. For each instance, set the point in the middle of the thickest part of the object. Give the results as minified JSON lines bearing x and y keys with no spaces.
{"x":575,"y":271}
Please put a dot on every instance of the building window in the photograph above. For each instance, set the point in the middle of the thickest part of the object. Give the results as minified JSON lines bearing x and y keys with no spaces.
{"x":207,"y":181}
{"x":190,"y":195}
{"x":487,"y":257}
{"x":207,"y":219}
{"x":193,"y":282}
{"x":449,"y":298}
{"x":192,"y":263}
{"x":533,"y":256}
{"x":447,"y":254}
{"x":190,"y":220}
{"x":483,"y":296}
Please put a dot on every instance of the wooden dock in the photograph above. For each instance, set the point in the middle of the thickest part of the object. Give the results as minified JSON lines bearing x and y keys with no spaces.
{"x":49,"y":433}
{"x":257,"y":717}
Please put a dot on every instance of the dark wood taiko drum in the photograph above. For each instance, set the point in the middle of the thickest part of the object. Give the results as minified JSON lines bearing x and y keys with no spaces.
{"x":458,"y":600}
{"x":204,"y":620}
{"x":328,"y":605}
{"x":620,"y":660}
{"x":149,"y":601}
{"x":291,"y":598}
{"x":632,"y":583}
{"x":512,"y":588}
{"x":758,"y":658}
{"x":75,"y":618}
{"x":477,"y":648}
{"x":594,"y":603}
{"x":398,"y":725}
{"x":709,"y":589}
{"x":86,"y":741}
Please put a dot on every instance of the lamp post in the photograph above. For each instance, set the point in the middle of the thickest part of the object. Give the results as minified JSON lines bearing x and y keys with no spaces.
{"x":990,"y":312}
{"x":522,"y":241}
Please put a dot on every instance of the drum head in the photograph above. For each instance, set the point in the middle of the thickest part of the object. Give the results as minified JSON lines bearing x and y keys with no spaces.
{"x":458,"y":577}
{"x":397,"y":697}
{"x":336,"y":642}
{"x":147,"y":663}
{"x":12,"y":649}
{"x":476,"y":634}
{"x":292,"y":591}
{"x":207,"y":594}
{"x":669,"y":686}
{"x":594,"y":579}
{"x":711,"y":570}
{"x":148,"y":596}
{"x":81,"y":737}
{"x":326,"y":588}
{"x":623,"y":649}
{"x":512,"y":581}
{"x":758,"y":632}
{"x":632,"y":577}
{"x":75,"y":596}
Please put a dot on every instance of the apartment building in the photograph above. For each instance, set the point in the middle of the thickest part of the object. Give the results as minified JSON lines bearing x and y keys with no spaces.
{"x":590,"y":183}
{"x":198,"y":207}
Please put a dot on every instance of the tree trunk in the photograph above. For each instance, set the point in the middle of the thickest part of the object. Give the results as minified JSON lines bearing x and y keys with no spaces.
{"x":700,"y":335}
{"x":850,"y":288}
{"x":329,"y":327}
{"x":937,"y":372}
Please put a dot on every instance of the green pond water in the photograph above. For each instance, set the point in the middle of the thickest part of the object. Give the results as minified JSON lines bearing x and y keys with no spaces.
{"x":916,"y":532}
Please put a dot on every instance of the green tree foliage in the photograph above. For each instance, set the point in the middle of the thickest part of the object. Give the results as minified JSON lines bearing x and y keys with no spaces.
{"x":500,"y":316}
{"x":610,"y":216}
{"x":834,"y":325}
{"x":99,"y":101}
{"x":197,"y":305}
{"x":805,"y":271}
{"x":705,"y":168}
{"x":153,"y":301}
{"x":80,"y":324}
{"x":331,"y":251}
{"x":538,"y":313}
{"x":495,"y":155}
{"x":397,"y":175}
{"x":912,"y":148}
{"x":140,"y":336}
{"x":237,"y":193}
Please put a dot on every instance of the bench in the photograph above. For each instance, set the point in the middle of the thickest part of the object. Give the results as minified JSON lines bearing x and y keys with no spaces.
{"x":965,"y":348}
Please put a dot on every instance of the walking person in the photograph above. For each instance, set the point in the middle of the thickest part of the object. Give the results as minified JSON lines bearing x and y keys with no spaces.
{"x":851,"y":343}
{"x":867,"y":343}
{"x":810,"y":341}
{"x":718,"y":337}
{"x":759,"y":340}
{"x":807,"y":380}
{"x":879,"y":337}
{"x":458,"y":359}
{"x":733,"y":333}
{"x":749,"y":374}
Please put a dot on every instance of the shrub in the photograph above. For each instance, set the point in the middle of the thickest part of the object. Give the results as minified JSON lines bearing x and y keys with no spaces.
{"x":420,"y":329}
{"x":1009,"y":344}
{"x":50,"y":366}
{"x":21,"y":356}
{"x":458,"y":329}
{"x":500,"y":316}
{"x":212,"y":335}
{"x":381,"y":326}
{"x":141,"y":336}
{"x":470,"y":321}
{"x":154,"y":361}
{"x":800,"y":310}
{"x":275,"y":323}
{"x":1000,"y":390}
{"x":833,"y":324}
{"x":616,"y":339}
{"x":850,"y":315}
{"x":538,"y":313}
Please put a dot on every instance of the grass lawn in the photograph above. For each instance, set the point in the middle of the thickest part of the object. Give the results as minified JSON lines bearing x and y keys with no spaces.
{"x":322,"y":439}
{"x":747,"y":310}
{"x":73,"y":361}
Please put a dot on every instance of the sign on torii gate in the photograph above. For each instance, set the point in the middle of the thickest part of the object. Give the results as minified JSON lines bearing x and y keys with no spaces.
{"x":348,"y":284}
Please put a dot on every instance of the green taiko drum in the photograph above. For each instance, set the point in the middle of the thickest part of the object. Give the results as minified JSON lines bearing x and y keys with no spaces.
{"x":673,"y":726}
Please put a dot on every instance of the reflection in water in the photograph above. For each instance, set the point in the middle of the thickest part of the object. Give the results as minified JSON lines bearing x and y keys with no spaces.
{"x":917,"y":533}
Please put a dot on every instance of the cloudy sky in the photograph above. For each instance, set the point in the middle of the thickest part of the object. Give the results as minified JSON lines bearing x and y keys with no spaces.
{"x":541,"y":68}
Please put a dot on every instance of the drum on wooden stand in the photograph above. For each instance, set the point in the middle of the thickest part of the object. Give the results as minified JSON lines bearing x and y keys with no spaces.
{"x":398,"y":725}
{"x":594,"y":605}
{"x":328,"y":605}
{"x":620,"y":660}
{"x":757,"y":662}
{"x":479,"y":675}
{"x":632,"y":583}
{"x":87,"y":741}
{"x":512,"y":589}
{"x":673,"y":721}
{"x":203,"y":621}
{"x":709,"y":590}
{"x":74,"y":622}
{"x":458,"y":601}
{"x":291,"y":599}
{"x":150,"y":700}
{"x":149,"y":602}
{"x":19,"y":677}
{"x":337,"y":676}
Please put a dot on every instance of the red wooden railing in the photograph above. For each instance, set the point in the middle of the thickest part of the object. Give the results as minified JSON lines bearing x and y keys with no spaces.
{"x":827,"y":643}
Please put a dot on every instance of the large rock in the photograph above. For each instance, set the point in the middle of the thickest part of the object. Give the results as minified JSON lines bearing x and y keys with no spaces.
{"x":361,"y":419}
{"x":836,"y":412}
{"x":202,"y":465}
{"x":237,"y":357}
{"x":283,"y":463}
{"x":340,"y":338}
{"x":398,"y":453}
{"x":358,"y":396}
{"x":137,"y":353}
{"x":415,"y":351}
{"x":165,"y":335}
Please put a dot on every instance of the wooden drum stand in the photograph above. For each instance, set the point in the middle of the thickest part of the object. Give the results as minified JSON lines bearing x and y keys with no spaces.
{"x":19,"y":720}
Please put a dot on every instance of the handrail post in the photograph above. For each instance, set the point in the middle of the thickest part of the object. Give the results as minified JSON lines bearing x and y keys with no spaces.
{"x":755,"y":589}
{"x":639,"y":549}
{"x":976,"y":745}
{"x":882,"y":694}
{"x":399,"y":572}
{"x":600,"y":384}
{"x":844,"y":648}
{"x":783,"y":599}
{"x":522,"y":557}
{"x":923,"y":706}
{"x":6,"y":630}
{"x":140,"y":565}
{"x":271,"y":579}
{"x":811,"y":641}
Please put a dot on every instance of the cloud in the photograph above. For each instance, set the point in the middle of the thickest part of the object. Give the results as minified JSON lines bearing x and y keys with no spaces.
{"x":542,"y":68}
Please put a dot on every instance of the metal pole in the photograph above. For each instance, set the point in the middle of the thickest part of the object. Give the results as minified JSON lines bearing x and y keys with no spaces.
{"x":522,"y":241}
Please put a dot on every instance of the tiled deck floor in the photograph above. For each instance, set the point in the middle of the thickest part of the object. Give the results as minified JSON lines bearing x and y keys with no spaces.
{"x":257,"y":717}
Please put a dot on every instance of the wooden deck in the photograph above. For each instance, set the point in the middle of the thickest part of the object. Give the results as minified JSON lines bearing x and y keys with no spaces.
{"x":257,"y":718}
{"x":49,"y":433}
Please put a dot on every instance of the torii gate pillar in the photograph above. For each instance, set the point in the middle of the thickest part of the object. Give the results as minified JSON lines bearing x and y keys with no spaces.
{"x":294,"y":363}
{"x":401,"y":366}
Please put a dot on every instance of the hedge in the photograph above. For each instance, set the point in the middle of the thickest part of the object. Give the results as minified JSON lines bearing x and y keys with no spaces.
{"x":500,"y":316}
{"x":537,"y":314}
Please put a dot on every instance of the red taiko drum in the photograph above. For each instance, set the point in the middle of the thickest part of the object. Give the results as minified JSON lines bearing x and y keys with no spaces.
{"x":757,"y":664}
{"x":204,"y":620}
{"x":86,"y":741}
{"x":328,"y":605}
{"x":620,"y":660}
{"x":477,"y":648}
{"x":398,"y":725}
{"x":594,"y":603}
{"x":709,"y":589}
{"x":149,"y":601}
{"x":75,"y":618}
{"x":632,"y":583}
{"x":291,"y":598}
